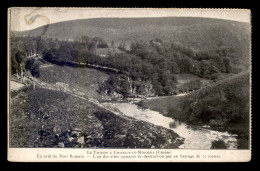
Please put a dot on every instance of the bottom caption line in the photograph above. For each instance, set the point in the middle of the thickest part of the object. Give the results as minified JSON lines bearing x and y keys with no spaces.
{"x":127,"y":155}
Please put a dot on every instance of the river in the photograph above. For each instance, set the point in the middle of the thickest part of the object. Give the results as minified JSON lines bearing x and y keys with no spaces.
{"x":195,"y":137}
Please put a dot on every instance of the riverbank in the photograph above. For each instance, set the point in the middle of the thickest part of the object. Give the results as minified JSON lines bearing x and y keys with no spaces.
{"x":223,"y":106}
{"x":51,"y":118}
{"x":195,"y":137}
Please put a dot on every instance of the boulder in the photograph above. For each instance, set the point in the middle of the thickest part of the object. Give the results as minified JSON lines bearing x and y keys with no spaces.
{"x":61,"y":145}
{"x":80,"y":140}
{"x":75,"y":133}
{"x":70,"y":139}
{"x":57,"y":130}
{"x":76,"y":129}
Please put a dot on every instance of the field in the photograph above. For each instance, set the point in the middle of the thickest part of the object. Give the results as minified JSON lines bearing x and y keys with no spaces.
{"x":185,"y":78}
{"x":161,"y":104}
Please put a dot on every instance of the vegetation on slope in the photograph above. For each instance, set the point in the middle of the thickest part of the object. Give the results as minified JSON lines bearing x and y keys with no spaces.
{"x":200,"y":46}
{"x":202,"y":34}
{"x":143,"y":49}
{"x":155,"y":62}
{"x":47,"y":118}
{"x":82,"y":79}
{"x":146,"y":55}
{"x":224,"y":104}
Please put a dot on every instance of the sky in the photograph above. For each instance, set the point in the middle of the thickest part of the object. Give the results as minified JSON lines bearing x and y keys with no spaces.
{"x":29,"y":18}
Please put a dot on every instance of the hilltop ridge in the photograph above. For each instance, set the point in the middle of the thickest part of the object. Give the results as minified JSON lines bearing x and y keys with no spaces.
{"x":198,"y":33}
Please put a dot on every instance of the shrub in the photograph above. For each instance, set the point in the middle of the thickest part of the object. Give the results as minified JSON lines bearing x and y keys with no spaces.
{"x":29,"y":64}
{"x":172,"y":124}
{"x":192,"y":85}
{"x":175,"y":112}
{"x":35,"y":70}
{"x":218,"y":144}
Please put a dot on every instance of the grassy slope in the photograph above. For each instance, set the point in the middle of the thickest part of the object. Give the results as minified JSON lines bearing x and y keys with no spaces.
{"x":84,"y":79}
{"x":198,"y":33}
{"x":185,"y":78}
{"x":162,"y":104}
{"x":45,"y":118}
{"x":228,"y":98}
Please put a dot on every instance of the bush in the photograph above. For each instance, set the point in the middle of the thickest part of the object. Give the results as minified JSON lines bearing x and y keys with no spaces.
{"x":35,"y":70}
{"x":175,"y":112}
{"x":29,"y":64}
{"x":192,"y":85}
{"x":172,"y":124}
{"x":141,"y":104}
{"x":218,"y":144}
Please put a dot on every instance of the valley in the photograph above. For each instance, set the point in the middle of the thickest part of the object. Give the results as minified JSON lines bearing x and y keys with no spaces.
{"x":102,"y":83}
{"x":86,"y":90}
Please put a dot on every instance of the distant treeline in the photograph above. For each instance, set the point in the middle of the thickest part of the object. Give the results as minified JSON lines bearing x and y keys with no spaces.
{"x":154,"y":61}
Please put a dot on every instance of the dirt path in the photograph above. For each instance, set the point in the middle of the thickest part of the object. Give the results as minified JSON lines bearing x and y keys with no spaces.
{"x":16,"y":85}
{"x":46,"y":65}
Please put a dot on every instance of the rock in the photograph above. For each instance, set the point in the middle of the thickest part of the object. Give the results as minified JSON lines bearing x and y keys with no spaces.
{"x":179,"y":140}
{"x":75,"y":133}
{"x":76,"y":129}
{"x":61,"y":145}
{"x":56,"y":130}
{"x":80,"y":140}
{"x":172,"y":124}
{"x":70,"y":139}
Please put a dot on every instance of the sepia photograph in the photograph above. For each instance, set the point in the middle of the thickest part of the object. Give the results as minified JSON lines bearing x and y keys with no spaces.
{"x":129,"y":79}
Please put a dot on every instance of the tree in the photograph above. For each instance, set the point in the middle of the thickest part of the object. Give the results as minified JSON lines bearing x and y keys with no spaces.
{"x":35,"y":70}
{"x":85,"y":39}
{"x":113,"y":45}
{"x":192,"y":85}
{"x":47,"y":55}
{"x":122,"y":46}
{"x":40,"y":45}
{"x":14,"y":64}
{"x":29,"y":64}
{"x":92,"y":47}
{"x":19,"y":64}
{"x":227,"y":65}
{"x":125,"y":88}
{"x":101,"y":43}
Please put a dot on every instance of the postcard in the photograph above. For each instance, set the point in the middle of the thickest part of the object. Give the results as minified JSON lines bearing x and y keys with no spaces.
{"x":129,"y":85}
